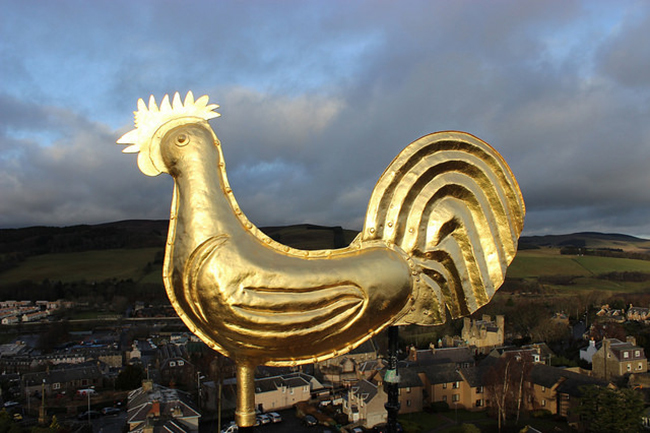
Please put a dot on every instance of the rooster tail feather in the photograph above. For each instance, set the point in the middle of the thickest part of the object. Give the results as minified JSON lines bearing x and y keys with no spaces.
{"x":450,"y":201}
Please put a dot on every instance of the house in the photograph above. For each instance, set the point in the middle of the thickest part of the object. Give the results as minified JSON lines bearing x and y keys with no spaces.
{"x":484,"y":333}
{"x":282,"y":392}
{"x":157,"y":409}
{"x":538,"y":352}
{"x":411,"y":389}
{"x":69,"y":379}
{"x":175,"y":369}
{"x":638,"y":314}
{"x":10,"y":320}
{"x":344,"y":373}
{"x":616,"y":358}
{"x":364,"y":404}
{"x":559,"y":390}
{"x":444,"y":382}
{"x":366,"y":351}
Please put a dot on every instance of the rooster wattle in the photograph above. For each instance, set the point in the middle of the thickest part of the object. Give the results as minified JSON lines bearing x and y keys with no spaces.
{"x":441,"y":228}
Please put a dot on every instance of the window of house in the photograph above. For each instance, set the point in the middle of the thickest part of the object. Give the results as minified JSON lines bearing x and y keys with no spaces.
{"x":408,"y":389}
{"x":640,"y":366}
{"x":444,"y":386}
{"x":629,"y":367}
{"x":543,"y":389}
{"x":181,"y":363}
{"x":479,"y":402}
{"x":456,"y":385}
{"x":56,"y":385}
{"x":172,"y":363}
{"x":444,"y":398}
{"x":543,"y":402}
{"x":626,"y":355}
{"x":408,"y":403}
{"x":479,"y":389}
{"x":291,"y":391}
{"x":637,"y":353}
{"x":455,"y":397}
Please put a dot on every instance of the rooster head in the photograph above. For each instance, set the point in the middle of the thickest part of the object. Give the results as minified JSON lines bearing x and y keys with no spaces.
{"x":153,"y":122}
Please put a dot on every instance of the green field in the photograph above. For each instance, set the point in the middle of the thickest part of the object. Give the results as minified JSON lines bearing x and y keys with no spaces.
{"x":87,"y":266}
{"x":548,"y":262}
{"x":139,"y":265}
{"x":537,"y":263}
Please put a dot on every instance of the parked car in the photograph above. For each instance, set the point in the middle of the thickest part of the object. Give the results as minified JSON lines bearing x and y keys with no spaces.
{"x":381,"y":428}
{"x":86,"y":391}
{"x":232,"y":428}
{"x":275,"y":417}
{"x":264,"y":419}
{"x":110,"y":411}
{"x":309,"y":421}
{"x":88,"y":414}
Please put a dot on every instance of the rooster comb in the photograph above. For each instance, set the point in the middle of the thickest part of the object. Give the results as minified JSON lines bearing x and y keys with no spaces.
{"x":149,"y":118}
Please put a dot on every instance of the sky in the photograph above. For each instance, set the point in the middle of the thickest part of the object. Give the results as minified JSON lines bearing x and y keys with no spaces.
{"x":317,"y":97}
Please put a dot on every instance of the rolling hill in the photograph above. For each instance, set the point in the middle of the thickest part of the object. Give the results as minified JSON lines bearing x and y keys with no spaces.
{"x":132,"y":251}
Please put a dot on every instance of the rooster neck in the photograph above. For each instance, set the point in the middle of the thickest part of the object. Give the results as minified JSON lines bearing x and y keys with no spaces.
{"x":202,"y":205}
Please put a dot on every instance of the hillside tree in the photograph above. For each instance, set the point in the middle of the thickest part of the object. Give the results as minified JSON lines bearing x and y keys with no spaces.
{"x":607,"y":410}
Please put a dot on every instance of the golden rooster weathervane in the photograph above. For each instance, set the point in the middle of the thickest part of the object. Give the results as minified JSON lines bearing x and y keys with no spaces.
{"x":441,"y":228}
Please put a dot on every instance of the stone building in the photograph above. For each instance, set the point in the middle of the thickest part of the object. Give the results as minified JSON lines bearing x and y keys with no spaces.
{"x":616,"y":358}
{"x":485,"y":333}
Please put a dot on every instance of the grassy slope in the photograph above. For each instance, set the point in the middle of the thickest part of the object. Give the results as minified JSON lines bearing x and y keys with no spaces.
{"x":99,"y":265}
{"x":86,"y":266}
{"x":531,"y":264}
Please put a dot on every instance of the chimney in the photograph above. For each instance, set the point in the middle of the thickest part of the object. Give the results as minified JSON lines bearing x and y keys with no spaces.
{"x":147,"y":385}
{"x":148,"y":427}
{"x":413,"y":354}
{"x":154,"y":412}
{"x":631,"y":339}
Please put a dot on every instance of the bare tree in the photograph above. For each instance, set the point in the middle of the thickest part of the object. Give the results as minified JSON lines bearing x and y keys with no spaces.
{"x":505,"y":384}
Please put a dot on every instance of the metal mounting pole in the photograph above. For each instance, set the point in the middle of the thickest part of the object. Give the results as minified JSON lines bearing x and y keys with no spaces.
{"x":391,"y":381}
{"x":245,"y":412}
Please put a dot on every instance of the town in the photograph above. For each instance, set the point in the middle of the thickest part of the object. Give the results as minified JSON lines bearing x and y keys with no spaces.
{"x":144,"y":371}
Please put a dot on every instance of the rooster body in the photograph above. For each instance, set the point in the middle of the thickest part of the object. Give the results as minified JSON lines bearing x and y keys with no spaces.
{"x":441,"y":228}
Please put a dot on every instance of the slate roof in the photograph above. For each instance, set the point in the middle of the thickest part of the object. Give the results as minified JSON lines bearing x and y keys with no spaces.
{"x":172,"y":405}
{"x":408,"y":377}
{"x":293,"y":380}
{"x":365,"y":390}
{"x":63,"y":375}
{"x":441,"y":373}
{"x":570,"y":382}
{"x":445,"y":355}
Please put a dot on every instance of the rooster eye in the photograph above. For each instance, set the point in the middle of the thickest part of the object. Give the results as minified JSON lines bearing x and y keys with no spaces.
{"x":182,"y":140}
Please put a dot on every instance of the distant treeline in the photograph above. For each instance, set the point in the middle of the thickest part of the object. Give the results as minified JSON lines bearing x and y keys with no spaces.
{"x":604,"y":252}
{"x":16,"y":245}
{"x":46,"y":240}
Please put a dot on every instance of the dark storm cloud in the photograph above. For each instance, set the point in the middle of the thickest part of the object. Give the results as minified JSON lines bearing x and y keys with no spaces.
{"x":318,"y":97}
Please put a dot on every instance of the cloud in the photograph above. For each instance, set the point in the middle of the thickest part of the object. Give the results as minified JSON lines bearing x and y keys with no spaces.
{"x":318,"y":97}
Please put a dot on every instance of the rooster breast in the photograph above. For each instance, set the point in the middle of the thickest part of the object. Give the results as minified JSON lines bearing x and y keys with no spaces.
{"x":258,"y":302}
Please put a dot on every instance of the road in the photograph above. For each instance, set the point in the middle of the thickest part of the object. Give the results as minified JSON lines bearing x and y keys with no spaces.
{"x":290,"y":424}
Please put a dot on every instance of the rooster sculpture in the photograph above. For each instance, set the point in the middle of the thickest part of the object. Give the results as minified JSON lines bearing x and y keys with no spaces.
{"x":441,"y":228}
